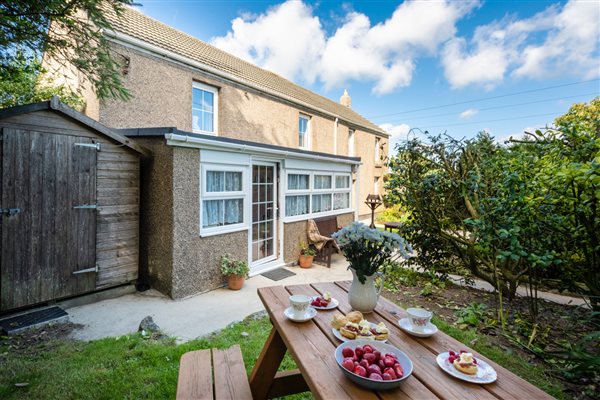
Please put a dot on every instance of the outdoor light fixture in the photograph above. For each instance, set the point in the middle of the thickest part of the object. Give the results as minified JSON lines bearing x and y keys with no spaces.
{"x":373,"y":201}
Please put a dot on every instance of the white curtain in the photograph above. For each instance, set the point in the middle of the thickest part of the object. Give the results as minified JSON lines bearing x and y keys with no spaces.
{"x":212,"y":213}
{"x":234,"y":211}
{"x":322,"y":182}
{"x":297,"y":182}
{"x":296,"y":205}
{"x":341,"y":201}
{"x":215,"y":181}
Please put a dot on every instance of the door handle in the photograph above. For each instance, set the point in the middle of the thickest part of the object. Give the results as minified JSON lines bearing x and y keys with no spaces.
{"x":9,"y":211}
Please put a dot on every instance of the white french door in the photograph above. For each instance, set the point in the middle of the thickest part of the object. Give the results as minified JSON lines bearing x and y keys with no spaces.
{"x":264,"y":232}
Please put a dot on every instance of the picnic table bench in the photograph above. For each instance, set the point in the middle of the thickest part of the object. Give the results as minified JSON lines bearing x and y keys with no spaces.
{"x":311,"y":344}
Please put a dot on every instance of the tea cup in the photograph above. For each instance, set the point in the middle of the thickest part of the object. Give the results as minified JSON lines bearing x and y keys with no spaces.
{"x":299,"y":304}
{"x":419,"y":318}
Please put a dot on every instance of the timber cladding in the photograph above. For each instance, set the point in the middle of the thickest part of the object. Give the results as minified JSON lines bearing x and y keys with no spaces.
{"x":77,"y":227}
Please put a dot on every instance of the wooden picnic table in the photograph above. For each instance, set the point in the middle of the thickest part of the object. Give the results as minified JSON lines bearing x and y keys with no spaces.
{"x":311,"y":344}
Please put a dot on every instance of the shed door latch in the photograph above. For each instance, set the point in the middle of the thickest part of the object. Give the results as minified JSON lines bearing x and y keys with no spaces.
{"x":85,"y":271}
{"x":91,"y":145}
{"x":85,"y":207}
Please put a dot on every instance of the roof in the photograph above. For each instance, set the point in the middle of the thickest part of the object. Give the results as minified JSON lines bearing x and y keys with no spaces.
{"x":55,"y":105}
{"x":141,"y":27}
{"x":172,"y":132}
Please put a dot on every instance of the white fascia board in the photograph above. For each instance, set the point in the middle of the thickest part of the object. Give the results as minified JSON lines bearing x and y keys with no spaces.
{"x":195,"y":142}
{"x":127,"y":40}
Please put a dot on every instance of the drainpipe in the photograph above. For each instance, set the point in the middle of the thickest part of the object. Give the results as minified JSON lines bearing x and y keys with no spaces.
{"x":335,"y":130}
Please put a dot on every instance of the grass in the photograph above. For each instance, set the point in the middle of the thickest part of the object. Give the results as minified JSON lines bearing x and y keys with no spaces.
{"x":127,"y":367}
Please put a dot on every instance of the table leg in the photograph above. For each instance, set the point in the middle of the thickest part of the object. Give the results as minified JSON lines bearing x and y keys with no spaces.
{"x":266,"y":366}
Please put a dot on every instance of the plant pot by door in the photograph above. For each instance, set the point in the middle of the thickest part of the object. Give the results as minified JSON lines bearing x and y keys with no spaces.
{"x":235,"y":282}
{"x":305,"y":261}
{"x":363,"y":297}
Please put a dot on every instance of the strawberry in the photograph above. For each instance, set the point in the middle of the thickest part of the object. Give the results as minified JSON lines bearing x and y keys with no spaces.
{"x":386,"y":377}
{"x":389,"y":361}
{"x":451,"y":353}
{"x":370,"y":357}
{"x":367,"y":348}
{"x":360,"y":371}
{"x":364,"y":363}
{"x":377,"y":355}
{"x":398,"y":370}
{"x":381,"y":364}
{"x":348,"y":364}
{"x":375,"y":377}
{"x":347,"y":352}
{"x":359,"y":351}
{"x":374,"y":368}
{"x":390,"y":372}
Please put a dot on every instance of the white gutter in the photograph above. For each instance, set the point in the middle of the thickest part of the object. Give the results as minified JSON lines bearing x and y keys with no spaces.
{"x":195,"y":142}
{"x":125,"y":39}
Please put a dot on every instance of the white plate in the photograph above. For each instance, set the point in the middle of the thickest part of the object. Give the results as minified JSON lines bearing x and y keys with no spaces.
{"x":485,"y":373}
{"x":310,"y":314}
{"x":332,"y":304}
{"x":338,"y":335}
{"x":406,"y":326}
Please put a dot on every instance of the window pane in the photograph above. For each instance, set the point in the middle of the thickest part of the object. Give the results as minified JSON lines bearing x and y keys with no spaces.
{"x":342,"y":182}
{"x":212,"y":213}
{"x":196,"y":98}
{"x":341,"y":201}
{"x":196,"y":119}
{"x":233,"y":181}
{"x":215,"y":181}
{"x":301,"y":136}
{"x":207,"y":122}
{"x":207,"y":101}
{"x":322,"y":182}
{"x":297,"y":182}
{"x":234,"y":211}
{"x":321,"y":202}
{"x":296,"y":205}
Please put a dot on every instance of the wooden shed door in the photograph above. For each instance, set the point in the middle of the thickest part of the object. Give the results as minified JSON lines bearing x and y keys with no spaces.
{"x":50,"y":241}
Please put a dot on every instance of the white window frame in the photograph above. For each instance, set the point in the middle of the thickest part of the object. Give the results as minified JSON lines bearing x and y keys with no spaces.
{"x":307,"y":133}
{"x":215,"y":92}
{"x":241,"y":195}
{"x":351,"y":134}
{"x":311,"y":191}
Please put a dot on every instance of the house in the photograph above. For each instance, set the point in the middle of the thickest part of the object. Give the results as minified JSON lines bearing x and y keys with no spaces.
{"x":69,"y":205}
{"x":242,"y":157}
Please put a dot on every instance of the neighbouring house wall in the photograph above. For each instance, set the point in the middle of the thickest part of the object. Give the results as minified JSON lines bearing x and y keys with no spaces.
{"x":196,"y":259}
{"x":294,"y":233}
{"x":117,"y":194}
{"x":156,"y":250}
{"x":364,"y":144}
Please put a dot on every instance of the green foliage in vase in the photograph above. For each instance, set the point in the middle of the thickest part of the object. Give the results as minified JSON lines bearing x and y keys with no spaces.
{"x":368,"y":249}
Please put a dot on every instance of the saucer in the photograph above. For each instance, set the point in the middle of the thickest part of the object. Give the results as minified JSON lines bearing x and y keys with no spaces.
{"x":406,"y":326}
{"x":310,"y":314}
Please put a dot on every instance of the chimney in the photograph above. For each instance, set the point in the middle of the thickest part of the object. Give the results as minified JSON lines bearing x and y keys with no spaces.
{"x":346,"y":100}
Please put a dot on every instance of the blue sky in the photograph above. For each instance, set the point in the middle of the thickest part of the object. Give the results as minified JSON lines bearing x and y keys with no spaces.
{"x":460,"y":66}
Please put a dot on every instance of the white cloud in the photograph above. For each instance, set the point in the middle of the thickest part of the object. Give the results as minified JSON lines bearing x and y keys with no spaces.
{"x":290,"y":40}
{"x":569,"y":41}
{"x":469,"y":113}
{"x":286,"y":39}
{"x":397,"y":133}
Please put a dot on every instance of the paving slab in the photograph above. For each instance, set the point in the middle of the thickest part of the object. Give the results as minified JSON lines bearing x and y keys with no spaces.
{"x":192,"y":317}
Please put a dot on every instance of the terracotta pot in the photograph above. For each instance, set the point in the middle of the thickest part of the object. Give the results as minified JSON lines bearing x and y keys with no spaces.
{"x":305,"y":261}
{"x":235,"y":282}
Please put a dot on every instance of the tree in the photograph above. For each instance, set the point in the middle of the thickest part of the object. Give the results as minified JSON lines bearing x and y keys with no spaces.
{"x":68,"y":31}
{"x":22,"y":81}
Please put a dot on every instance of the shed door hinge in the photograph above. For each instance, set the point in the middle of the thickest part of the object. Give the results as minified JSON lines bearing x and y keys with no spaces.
{"x":90,"y":145}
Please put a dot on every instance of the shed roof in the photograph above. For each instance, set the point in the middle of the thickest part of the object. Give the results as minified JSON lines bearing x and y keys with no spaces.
{"x":56,"y":105}
{"x":148,"y":30}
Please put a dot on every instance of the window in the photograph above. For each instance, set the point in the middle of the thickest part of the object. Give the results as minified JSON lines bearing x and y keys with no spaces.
{"x":204,"y":108}
{"x":303,"y":132}
{"x":350,"y":142}
{"x":316,"y":192}
{"x":297,"y":204}
{"x":222,"y":205}
{"x":377,"y":145}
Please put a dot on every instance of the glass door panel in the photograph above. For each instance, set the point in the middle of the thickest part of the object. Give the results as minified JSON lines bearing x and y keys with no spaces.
{"x":264,"y":232}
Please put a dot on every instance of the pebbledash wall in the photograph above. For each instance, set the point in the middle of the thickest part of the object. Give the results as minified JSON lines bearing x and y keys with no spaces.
{"x":174,"y":258}
{"x":162,"y":96}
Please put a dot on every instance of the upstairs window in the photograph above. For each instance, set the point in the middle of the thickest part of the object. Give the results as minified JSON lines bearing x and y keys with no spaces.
{"x":303,"y":131}
{"x":377,"y":150}
{"x":204,"y":108}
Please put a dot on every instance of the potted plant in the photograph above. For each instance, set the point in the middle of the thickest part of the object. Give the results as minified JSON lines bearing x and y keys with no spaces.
{"x":307,"y":254}
{"x":367,"y":250}
{"x":236,"y":271}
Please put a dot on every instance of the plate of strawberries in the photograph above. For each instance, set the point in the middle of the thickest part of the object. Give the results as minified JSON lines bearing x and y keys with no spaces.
{"x":325,"y":302}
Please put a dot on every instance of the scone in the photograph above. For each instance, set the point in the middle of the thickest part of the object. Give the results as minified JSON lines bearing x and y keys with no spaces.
{"x":465,"y":364}
{"x":381,"y":332}
{"x":354,"y":316}
{"x":338,"y":321}
{"x":350,"y":330}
